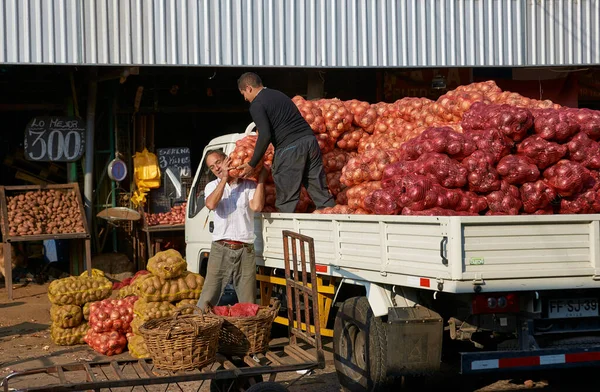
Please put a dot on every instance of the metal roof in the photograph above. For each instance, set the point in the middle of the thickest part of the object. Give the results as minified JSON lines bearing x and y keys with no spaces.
{"x":301,"y":33}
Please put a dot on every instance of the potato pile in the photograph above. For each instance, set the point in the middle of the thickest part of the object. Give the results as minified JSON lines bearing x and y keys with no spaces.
{"x":70,"y":298}
{"x":161,"y":292}
{"x":44,"y":212}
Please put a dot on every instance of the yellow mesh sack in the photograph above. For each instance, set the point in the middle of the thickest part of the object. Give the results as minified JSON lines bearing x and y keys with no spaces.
{"x":185,"y":302}
{"x":68,"y":336}
{"x":66,"y":316}
{"x":86,"y":311}
{"x":137,"y":346}
{"x":154,"y":288}
{"x":145,"y":310}
{"x":78,"y":290}
{"x":167,"y":264}
{"x":95,"y":272}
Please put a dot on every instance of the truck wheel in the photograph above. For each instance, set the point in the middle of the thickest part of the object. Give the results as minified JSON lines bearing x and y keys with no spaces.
{"x":359,"y":346}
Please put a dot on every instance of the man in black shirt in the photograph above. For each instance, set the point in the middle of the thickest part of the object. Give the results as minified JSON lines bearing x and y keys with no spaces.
{"x":297,"y":160}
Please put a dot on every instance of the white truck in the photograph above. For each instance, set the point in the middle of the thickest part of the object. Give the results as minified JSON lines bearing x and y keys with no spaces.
{"x":501,"y":292}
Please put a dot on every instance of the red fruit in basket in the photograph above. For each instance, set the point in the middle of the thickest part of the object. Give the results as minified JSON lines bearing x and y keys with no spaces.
{"x":221,"y":310}
{"x":243,"y":310}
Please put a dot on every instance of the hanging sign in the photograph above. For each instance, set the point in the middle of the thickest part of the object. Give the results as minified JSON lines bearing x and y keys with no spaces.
{"x":177,"y":158}
{"x":54,"y":139}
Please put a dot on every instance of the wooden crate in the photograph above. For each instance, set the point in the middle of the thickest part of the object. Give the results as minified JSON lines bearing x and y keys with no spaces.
{"x":7,"y":240}
{"x":28,"y":188}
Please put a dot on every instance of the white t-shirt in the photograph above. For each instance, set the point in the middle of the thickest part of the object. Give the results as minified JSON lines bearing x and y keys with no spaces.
{"x":233,"y":217}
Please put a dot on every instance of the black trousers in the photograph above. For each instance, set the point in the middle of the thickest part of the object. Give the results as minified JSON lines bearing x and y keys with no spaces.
{"x":300,"y":163}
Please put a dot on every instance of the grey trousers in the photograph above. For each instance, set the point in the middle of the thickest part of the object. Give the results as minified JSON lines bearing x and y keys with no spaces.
{"x":297,"y":164}
{"x":224,"y":264}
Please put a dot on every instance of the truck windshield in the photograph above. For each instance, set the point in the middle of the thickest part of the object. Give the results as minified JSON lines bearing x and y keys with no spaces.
{"x":196,"y":198}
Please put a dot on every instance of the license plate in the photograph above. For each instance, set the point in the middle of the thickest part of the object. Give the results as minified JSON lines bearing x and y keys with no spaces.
{"x":572,"y":307}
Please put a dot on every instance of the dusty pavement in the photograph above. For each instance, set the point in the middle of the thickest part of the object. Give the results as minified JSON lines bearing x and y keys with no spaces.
{"x":25,"y":344}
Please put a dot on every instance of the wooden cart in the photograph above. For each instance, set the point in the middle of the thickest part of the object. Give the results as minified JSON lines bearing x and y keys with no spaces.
{"x":302,"y":352}
{"x":7,"y":239}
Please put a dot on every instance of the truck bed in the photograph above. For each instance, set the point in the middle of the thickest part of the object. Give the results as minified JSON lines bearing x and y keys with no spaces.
{"x":452,"y":253}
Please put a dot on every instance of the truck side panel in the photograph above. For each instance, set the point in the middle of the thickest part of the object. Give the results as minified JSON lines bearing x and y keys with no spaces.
{"x":533,"y":249}
{"x":374,"y":245}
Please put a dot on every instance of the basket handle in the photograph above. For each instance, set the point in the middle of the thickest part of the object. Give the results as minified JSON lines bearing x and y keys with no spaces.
{"x":176,"y":315}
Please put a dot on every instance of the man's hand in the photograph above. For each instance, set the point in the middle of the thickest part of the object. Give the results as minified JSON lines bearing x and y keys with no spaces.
{"x":224,"y":174}
{"x":246,"y":170}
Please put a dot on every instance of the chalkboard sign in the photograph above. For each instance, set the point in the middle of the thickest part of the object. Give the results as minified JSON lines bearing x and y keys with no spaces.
{"x":175,"y":158}
{"x":54,"y":139}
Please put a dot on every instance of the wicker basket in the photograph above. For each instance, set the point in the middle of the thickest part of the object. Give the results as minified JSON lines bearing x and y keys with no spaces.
{"x":182,"y":342}
{"x":247,"y":335}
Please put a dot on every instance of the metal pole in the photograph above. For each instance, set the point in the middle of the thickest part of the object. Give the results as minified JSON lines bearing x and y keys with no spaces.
{"x":88,"y":184}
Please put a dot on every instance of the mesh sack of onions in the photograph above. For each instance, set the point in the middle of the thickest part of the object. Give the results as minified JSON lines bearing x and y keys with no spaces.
{"x":567,"y":177}
{"x":515,"y":99}
{"x":584,"y":150}
{"x":505,"y":201}
{"x":350,"y":140}
{"x":436,"y":211}
{"x":587,"y":119}
{"x":357,"y":194}
{"x":364,"y":114}
{"x":512,"y":121}
{"x":492,"y":141}
{"x":338,"y":119}
{"x":517,"y":169}
{"x":342,"y":197}
{"x":451,"y":107}
{"x":335,"y":160}
{"x":381,"y":202}
{"x":482,"y":176}
{"x":389,"y":125}
{"x":368,"y":166}
{"x":416,"y":192}
{"x":334,"y":184}
{"x":392,"y":141}
{"x":337,"y":209}
{"x":554,"y":124}
{"x":326,"y":142}
{"x":442,"y":140}
{"x":312,"y":114}
{"x":586,"y":202}
{"x":537,"y":196}
{"x":242,"y":153}
{"x":541,"y":151}
{"x":395,"y":171}
{"x":448,"y":172}
{"x":410,"y":109}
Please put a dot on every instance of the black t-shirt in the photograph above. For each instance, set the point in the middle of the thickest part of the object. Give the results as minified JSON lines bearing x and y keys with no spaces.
{"x":278,"y":121}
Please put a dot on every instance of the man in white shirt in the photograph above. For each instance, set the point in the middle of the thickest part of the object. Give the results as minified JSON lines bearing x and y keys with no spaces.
{"x":234,"y":202}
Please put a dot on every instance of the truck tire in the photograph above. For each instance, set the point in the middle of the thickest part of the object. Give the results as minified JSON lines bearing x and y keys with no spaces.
{"x":359,"y":346}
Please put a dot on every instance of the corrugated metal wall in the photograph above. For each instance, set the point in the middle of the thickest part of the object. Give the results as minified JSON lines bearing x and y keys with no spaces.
{"x":303,"y":33}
